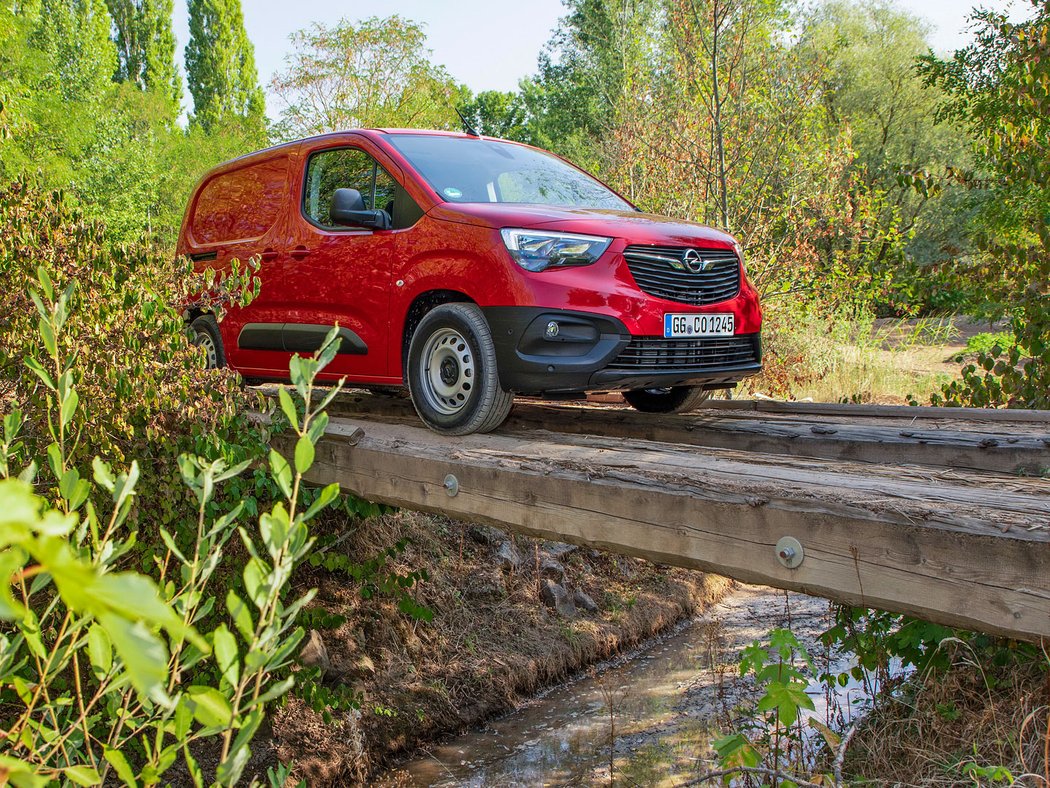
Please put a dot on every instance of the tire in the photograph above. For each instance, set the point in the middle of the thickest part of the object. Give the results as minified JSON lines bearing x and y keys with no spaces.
{"x":204,"y":333}
{"x":451,"y":372}
{"x":677,"y":399}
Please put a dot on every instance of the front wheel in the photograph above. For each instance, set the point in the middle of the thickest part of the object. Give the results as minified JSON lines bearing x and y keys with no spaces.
{"x":451,"y":372}
{"x":676,"y":399}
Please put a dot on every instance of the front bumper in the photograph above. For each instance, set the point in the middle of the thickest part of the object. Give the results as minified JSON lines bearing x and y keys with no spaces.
{"x":592,"y":352}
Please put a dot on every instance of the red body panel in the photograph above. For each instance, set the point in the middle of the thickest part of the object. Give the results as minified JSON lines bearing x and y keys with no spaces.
{"x":367,"y":280}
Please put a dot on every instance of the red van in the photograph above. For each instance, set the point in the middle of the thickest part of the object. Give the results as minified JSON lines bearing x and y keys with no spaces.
{"x":469,"y":269}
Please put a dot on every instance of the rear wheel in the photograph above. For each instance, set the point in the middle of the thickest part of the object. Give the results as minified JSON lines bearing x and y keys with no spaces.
{"x":204,"y":333}
{"x":451,"y":372}
{"x":676,"y":399}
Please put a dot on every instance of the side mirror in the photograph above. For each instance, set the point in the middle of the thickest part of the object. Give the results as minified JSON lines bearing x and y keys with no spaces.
{"x":348,"y":208}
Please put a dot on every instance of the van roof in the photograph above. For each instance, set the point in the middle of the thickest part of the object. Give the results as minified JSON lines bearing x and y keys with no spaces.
{"x":367,"y":132}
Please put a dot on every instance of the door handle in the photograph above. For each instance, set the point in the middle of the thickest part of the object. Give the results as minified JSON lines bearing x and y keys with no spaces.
{"x":299,"y":252}
{"x":268,"y":255}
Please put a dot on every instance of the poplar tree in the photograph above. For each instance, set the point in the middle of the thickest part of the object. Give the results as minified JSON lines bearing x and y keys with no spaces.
{"x":220,"y":65}
{"x":146,"y":46}
{"x":78,"y":56}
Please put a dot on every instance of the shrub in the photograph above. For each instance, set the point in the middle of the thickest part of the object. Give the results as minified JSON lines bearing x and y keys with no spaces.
{"x":999,"y":87}
{"x":142,"y":388}
{"x":106,"y":672}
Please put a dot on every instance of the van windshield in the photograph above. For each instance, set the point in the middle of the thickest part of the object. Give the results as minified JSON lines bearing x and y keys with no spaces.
{"x":465,"y":169}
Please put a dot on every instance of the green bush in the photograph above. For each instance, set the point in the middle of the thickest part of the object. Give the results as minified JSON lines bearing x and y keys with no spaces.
{"x":104,"y":673}
{"x":142,"y":388}
{"x":999,"y":87}
{"x":986,"y":343}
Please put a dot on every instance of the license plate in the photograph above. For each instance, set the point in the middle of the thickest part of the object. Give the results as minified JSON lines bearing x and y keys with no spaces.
{"x":706,"y":325}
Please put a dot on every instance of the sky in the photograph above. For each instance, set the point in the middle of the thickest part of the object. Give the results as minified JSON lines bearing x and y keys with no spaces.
{"x":489,"y":44}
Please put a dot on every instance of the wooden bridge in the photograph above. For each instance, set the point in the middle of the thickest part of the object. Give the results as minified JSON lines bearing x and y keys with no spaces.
{"x":940,"y":513}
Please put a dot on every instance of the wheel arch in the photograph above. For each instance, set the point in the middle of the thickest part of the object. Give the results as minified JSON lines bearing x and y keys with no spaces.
{"x":421,"y":304}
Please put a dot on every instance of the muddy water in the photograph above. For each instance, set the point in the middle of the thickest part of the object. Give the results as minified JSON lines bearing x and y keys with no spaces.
{"x":664,"y":704}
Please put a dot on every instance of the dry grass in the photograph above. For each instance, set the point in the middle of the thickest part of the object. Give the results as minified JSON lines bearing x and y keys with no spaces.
{"x":936,"y":730}
{"x":855,"y":358}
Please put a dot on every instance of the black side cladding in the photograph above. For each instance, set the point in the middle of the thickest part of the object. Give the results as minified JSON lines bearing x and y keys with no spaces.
{"x":297,"y":338}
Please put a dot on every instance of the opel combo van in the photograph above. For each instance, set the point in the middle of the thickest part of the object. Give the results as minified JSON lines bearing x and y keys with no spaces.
{"x":468,"y":269}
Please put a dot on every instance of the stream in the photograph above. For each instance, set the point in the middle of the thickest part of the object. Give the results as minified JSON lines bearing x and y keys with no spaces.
{"x":668,"y":700}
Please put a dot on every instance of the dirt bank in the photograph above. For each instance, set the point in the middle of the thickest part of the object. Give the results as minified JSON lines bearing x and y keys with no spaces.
{"x":492,"y":640}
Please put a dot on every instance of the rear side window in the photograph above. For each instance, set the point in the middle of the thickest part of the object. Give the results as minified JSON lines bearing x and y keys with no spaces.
{"x":240,"y":205}
{"x":350,"y":168}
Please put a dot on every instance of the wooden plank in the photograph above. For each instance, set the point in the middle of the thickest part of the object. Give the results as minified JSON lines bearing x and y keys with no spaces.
{"x":1011,"y":449}
{"x":883,"y":411}
{"x":960,"y":551}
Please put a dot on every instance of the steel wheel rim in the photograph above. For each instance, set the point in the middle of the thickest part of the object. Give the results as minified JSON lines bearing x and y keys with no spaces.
{"x":446,"y":371}
{"x":204,"y":339}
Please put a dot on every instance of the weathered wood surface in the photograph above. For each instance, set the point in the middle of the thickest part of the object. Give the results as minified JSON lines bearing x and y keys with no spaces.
{"x":1003,"y":415}
{"x":963,"y":549}
{"x":1006,"y":448}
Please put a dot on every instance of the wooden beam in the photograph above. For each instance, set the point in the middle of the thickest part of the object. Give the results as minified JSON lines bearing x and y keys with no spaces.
{"x":968,"y":550}
{"x":1004,"y":448}
{"x":1004,"y":415}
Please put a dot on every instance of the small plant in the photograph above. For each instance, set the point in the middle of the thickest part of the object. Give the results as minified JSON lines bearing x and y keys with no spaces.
{"x":771,"y":748}
{"x":105,"y":673}
{"x":613,"y":698}
{"x":985,"y":343}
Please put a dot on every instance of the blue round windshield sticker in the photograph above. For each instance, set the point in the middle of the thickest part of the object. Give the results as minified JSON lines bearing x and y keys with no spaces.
{"x":453,"y":193}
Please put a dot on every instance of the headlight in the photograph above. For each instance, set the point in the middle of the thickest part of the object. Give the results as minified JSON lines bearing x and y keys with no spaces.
{"x":538,"y":251}
{"x":739,"y":251}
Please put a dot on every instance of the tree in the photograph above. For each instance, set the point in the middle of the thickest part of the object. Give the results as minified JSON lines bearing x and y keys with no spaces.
{"x":57,"y":64}
{"x":498,"y":114}
{"x":220,"y":65}
{"x":731,"y":131}
{"x":375,"y":74}
{"x":999,"y":87}
{"x":73,"y":36}
{"x":593,"y":68}
{"x":146,"y":46}
{"x":870,"y":85}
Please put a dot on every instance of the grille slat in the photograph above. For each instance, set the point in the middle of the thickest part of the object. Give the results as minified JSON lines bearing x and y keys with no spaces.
{"x":686,"y":354}
{"x":655,"y":272}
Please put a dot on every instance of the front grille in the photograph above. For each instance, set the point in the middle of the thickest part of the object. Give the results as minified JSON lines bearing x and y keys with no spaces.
{"x":662,"y":271}
{"x":645,"y":353}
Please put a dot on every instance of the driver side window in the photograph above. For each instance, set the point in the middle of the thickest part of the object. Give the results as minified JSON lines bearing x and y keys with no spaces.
{"x":339,"y":168}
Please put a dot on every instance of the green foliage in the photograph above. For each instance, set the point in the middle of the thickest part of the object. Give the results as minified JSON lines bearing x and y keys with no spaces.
{"x":880,"y":639}
{"x":376,"y":577}
{"x":57,"y":62}
{"x":985,"y":775}
{"x":104,"y":671}
{"x":986,"y":343}
{"x":871,"y":86}
{"x":493,"y":113}
{"x":326,"y":700}
{"x":140,"y":383}
{"x":773,"y":736}
{"x":587,"y":77}
{"x":114,"y":148}
{"x":377,"y":73}
{"x":74,"y":38}
{"x":220,"y":66}
{"x":999,"y":87}
{"x":146,"y":48}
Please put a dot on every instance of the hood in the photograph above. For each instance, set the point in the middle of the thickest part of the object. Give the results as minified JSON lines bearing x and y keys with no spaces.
{"x":632,"y":226}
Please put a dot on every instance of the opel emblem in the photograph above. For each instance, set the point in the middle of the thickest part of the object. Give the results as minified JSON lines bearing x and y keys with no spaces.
{"x":694,"y":262}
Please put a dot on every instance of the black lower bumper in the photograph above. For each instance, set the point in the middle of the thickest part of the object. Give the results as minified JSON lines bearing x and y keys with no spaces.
{"x":552,"y":351}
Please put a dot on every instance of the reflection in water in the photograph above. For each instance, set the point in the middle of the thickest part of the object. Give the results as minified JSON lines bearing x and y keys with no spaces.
{"x":668,"y":701}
